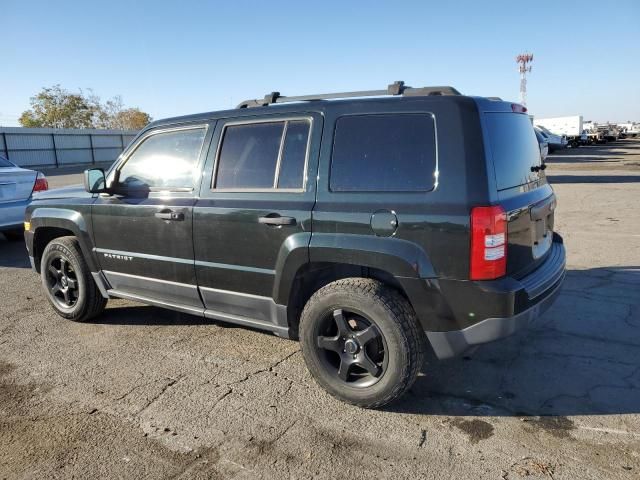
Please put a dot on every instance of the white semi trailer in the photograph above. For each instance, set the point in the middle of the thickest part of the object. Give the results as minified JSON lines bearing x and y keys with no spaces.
{"x":570,"y":127}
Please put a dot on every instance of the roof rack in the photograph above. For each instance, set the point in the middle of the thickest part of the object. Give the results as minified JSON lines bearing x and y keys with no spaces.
{"x":395,"y":89}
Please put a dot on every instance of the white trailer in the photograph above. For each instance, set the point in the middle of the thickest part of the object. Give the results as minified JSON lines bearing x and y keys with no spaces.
{"x":571,"y":127}
{"x":630,"y":129}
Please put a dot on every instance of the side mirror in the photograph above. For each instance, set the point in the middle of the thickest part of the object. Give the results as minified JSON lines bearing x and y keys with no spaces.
{"x":95,"y":181}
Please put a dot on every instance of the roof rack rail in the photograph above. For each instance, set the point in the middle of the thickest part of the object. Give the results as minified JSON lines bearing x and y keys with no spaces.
{"x":395,"y":89}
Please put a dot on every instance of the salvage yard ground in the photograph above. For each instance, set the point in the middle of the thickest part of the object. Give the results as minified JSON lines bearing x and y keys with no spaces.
{"x":148,"y":393}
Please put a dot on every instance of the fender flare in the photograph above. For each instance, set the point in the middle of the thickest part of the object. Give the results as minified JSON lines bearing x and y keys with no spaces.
{"x":400,"y":258}
{"x":69,"y":220}
{"x":293,"y":254}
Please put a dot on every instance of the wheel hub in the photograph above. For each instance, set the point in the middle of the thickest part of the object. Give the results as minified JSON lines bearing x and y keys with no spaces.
{"x":62,"y":282}
{"x":351,"y":346}
{"x":354,"y":349}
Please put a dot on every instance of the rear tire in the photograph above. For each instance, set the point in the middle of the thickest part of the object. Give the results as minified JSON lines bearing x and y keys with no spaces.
{"x":68,"y":283}
{"x":376,"y":355}
{"x":16,"y":235}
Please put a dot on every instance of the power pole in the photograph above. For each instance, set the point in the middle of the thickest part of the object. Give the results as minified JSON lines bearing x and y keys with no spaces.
{"x":523,"y":60}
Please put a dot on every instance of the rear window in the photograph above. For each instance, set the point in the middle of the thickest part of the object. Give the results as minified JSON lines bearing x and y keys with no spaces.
{"x":514,"y":148}
{"x":4,"y":162}
{"x":384,"y":153}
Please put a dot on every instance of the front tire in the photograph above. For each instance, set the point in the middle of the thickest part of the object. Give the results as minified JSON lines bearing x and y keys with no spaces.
{"x":361,"y":341}
{"x":68,"y":283}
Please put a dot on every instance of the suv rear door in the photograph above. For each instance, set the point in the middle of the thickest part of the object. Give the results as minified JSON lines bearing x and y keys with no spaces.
{"x":143,"y":231}
{"x":254,"y":210}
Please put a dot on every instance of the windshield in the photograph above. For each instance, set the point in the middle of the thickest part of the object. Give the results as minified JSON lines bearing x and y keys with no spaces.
{"x":5,"y":163}
{"x":514,"y":149}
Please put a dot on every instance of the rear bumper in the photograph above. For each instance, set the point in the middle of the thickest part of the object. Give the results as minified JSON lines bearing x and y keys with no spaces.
{"x":456,"y":342}
{"x":515,"y":303}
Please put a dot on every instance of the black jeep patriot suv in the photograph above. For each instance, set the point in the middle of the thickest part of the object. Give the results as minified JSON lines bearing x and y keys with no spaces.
{"x":364,"y":227}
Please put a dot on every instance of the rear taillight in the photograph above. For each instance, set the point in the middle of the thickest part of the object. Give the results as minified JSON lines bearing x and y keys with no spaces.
{"x":488,"y":243}
{"x":517,"y":108}
{"x":41,"y":183}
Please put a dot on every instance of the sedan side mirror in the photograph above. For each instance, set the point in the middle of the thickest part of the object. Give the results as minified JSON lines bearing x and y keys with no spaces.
{"x":95,"y":181}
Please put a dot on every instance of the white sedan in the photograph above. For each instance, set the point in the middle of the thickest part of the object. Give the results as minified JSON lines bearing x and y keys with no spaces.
{"x":16,"y":186}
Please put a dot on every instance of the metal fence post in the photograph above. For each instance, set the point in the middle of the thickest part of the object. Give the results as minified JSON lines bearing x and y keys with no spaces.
{"x":55,"y":149}
{"x":93,"y":157}
{"x":6,"y":147}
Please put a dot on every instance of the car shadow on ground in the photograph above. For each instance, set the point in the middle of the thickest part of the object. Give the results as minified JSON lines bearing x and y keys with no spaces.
{"x":13,"y":254}
{"x":142,"y":315}
{"x":582,"y":359}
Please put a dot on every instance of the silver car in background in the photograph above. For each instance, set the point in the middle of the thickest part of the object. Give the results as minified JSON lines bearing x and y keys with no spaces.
{"x":16,"y":187}
{"x":542,"y":143}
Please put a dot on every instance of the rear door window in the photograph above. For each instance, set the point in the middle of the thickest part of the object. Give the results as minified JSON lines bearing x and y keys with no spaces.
{"x":514,"y":149}
{"x":263,"y":156}
{"x":384,"y":153}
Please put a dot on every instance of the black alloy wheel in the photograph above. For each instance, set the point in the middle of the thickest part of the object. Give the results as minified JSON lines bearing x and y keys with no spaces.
{"x":352,"y":348}
{"x":361,"y":341}
{"x":62,"y":281}
{"x":68,"y":281}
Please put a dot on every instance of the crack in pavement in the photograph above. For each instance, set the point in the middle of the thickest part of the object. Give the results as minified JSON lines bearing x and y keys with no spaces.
{"x":162,"y":392}
{"x":263,"y":370}
{"x":134,"y":388}
{"x":250,"y":375}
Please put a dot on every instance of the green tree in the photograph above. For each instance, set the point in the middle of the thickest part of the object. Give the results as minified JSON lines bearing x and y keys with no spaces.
{"x":55,"y":107}
{"x":130,"y":119}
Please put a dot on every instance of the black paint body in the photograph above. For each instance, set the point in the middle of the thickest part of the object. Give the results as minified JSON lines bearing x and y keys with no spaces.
{"x":220,"y":261}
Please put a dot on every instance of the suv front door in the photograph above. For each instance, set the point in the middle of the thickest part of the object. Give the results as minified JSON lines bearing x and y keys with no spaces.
{"x":254,"y":213}
{"x":143,"y":230}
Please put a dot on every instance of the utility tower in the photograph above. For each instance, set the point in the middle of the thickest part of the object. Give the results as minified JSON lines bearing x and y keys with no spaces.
{"x":523,"y":60}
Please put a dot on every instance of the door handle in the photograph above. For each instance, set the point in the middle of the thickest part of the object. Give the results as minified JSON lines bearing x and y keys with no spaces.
{"x":177,"y":216}
{"x":272,"y":219}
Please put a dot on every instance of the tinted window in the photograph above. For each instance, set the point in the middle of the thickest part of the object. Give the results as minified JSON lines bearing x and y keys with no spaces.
{"x":384,"y":153}
{"x":4,"y":162}
{"x":514,"y":148}
{"x":164,"y":160}
{"x":249,"y":155}
{"x":294,"y":153}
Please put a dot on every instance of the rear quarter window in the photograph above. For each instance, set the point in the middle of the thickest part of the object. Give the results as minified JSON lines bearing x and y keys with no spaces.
{"x":384,"y":153}
{"x":514,"y":148}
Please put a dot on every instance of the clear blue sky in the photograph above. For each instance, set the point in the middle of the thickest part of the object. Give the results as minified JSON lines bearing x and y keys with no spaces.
{"x":179,"y":57}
